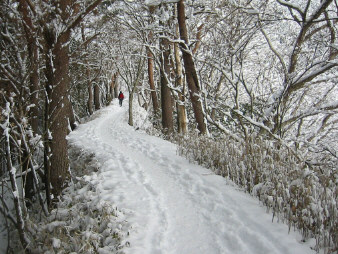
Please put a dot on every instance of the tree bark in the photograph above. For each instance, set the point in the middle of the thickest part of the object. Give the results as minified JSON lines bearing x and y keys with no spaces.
{"x":89,"y":82}
{"x":130,"y":108}
{"x":116,"y":86}
{"x":33,"y":52}
{"x":59,"y":117}
{"x":90,"y":98}
{"x":190,"y":71}
{"x":166,"y":97}
{"x":58,"y":108}
{"x":151,"y":69}
{"x":180,"y":104}
{"x":71,"y":116}
{"x":97,"y":97}
{"x":199,"y":36}
{"x":151,"y":81}
{"x":28,"y":179}
{"x":112,"y":85}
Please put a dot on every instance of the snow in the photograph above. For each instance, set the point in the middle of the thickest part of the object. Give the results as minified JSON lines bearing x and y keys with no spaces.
{"x":171,"y":205}
{"x":158,"y":2}
{"x":15,"y":194}
{"x":56,"y":243}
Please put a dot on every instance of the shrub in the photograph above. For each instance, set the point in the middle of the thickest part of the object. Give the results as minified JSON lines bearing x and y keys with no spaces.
{"x":304,"y":197}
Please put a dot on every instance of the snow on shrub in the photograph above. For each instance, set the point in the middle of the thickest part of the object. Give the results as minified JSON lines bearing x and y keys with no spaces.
{"x":81,"y":223}
{"x":302,"y":197}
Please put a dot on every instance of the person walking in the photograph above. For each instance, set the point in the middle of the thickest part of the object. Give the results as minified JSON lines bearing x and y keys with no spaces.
{"x":121,"y":97}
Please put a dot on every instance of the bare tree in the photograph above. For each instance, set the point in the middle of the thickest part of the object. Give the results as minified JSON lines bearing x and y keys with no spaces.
{"x":151,"y":64}
{"x":180,"y":104}
{"x":58,"y":111}
{"x":190,"y":71}
{"x":165,"y":72}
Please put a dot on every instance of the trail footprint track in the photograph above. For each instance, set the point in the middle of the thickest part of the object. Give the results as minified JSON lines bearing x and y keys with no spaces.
{"x":174,"y":207}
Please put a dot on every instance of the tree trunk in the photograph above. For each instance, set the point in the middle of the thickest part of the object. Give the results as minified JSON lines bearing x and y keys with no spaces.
{"x":190,"y":71}
{"x":34,"y":84}
{"x":180,"y":104}
{"x":97,"y":97}
{"x":90,"y":98}
{"x":151,"y":69}
{"x":110,"y":89}
{"x":108,"y":93}
{"x":34,"y":92}
{"x":114,"y":86}
{"x":46,"y":148}
{"x":166,"y":97}
{"x":28,"y":179}
{"x":57,"y":67}
{"x":33,"y":51}
{"x":132,"y":90}
{"x":57,"y":105}
{"x":34,"y":87}
{"x":131,"y":98}
{"x":89,"y":82}
{"x":71,"y":117}
{"x":151,"y":81}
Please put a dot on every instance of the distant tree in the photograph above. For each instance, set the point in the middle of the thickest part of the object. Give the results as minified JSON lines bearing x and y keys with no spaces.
{"x":131,"y":63}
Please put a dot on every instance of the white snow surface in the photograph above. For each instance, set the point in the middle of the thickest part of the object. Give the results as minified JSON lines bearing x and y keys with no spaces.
{"x":171,"y":205}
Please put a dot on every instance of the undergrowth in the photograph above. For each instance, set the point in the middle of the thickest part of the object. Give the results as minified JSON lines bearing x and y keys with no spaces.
{"x":303,"y":197}
{"x":80,"y":223}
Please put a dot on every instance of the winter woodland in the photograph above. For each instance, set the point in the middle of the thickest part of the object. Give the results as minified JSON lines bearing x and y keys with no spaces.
{"x":246,"y":88}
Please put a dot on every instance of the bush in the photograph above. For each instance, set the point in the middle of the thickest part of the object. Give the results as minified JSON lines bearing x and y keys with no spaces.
{"x":79,"y":226}
{"x":80,"y":223}
{"x":304,"y":197}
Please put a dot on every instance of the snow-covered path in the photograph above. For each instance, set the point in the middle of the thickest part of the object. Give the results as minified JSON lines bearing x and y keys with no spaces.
{"x":174,"y":207}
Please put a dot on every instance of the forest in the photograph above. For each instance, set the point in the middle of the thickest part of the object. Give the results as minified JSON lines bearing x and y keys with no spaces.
{"x":247,"y":88}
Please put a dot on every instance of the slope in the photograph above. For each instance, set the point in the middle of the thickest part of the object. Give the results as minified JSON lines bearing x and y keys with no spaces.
{"x":172,"y":206}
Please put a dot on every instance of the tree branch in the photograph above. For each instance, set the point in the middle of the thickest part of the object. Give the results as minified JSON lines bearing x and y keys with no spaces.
{"x":83,"y":14}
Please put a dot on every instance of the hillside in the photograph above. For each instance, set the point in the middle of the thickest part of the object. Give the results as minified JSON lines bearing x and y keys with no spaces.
{"x":168,"y":204}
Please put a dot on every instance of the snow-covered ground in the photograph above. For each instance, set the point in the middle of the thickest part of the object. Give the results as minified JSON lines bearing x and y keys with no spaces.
{"x":171,"y":205}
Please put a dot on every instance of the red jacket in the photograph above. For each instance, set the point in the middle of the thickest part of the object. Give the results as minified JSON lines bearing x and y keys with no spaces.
{"x":121,"y":96}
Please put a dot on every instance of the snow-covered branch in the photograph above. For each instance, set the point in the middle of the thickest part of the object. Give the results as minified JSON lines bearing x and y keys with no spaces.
{"x":77,"y":20}
{"x":292,"y":6}
{"x":330,"y":108}
{"x":302,"y":79}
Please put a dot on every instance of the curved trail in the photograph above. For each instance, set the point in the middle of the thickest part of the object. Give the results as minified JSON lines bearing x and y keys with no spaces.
{"x":174,"y":207}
